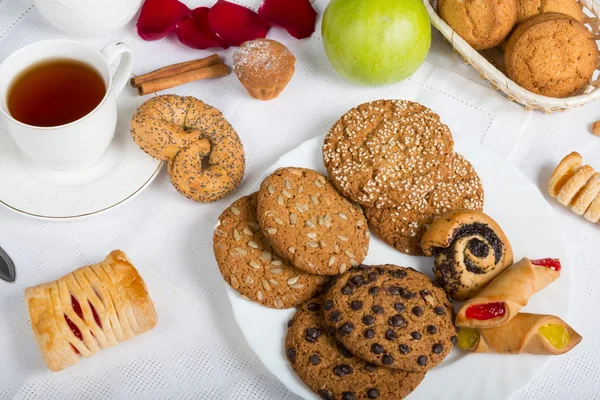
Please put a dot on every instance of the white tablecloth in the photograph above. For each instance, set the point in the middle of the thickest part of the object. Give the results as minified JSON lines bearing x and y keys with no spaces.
{"x":197,"y":351}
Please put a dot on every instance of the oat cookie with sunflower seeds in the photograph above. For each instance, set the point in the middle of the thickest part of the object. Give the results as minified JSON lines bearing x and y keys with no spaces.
{"x":331,"y":371}
{"x":248,"y":263}
{"x":310,"y":223}
{"x":391,"y":316}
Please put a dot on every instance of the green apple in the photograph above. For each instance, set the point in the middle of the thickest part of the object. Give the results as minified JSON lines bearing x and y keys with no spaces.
{"x":376,"y":42}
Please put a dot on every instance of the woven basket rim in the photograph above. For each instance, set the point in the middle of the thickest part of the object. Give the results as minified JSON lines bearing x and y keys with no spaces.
{"x":496,"y":77}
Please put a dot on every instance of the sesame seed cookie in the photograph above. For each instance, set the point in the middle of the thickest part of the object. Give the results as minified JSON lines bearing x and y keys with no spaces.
{"x":461,"y":190}
{"x":551,"y":54}
{"x":331,"y":371}
{"x":391,"y":316}
{"x":310,"y":223}
{"x":387,"y":152}
{"x":248,"y":263}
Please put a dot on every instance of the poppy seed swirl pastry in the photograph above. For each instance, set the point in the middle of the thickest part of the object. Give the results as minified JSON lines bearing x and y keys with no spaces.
{"x":88,"y":310}
{"x":470,"y":250}
{"x":205,"y":155}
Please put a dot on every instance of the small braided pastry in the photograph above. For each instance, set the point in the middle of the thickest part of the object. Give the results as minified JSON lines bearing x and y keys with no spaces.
{"x":577,"y":186}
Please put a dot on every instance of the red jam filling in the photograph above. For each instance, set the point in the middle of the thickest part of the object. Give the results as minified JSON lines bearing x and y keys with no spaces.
{"x":552,"y":263}
{"x":74,"y":328}
{"x":96,"y":317}
{"x":487,"y":311}
{"x":75,"y":350}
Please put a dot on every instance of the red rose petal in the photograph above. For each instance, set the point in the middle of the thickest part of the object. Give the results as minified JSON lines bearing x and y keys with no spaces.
{"x":158,"y":18}
{"x":298,"y":17}
{"x":236,"y":24}
{"x":194,"y":31}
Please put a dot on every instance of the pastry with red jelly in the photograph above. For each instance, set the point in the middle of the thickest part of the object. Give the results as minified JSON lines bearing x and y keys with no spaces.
{"x":504,"y":297}
{"x":525,"y":333}
{"x":470,"y":250}
{"x":88,"y":310}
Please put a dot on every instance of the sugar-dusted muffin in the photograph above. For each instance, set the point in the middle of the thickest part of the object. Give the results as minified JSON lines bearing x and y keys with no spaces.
{"x":264,"y":67}
{"x":551,"y":54}
{"x":481,"y":23}
{"x":530,"y":8}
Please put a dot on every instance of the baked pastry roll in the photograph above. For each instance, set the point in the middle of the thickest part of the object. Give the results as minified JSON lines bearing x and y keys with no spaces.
{"x":470,"y":250}
{"x":88,"y":310}
{"x":504,"y":297}
{"x":525,"y":333}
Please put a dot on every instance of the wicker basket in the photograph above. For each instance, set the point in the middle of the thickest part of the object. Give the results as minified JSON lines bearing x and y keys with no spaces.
{"x":489,"y":64}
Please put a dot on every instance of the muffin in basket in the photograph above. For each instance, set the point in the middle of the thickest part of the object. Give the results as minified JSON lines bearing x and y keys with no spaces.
{"x":551,"y":54}
{"x":264,"y":67}
{"x":530,"y":8}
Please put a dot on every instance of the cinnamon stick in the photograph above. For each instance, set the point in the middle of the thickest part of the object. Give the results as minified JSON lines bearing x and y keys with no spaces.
{"x":175,"y":69}
{"x":212,"y":71}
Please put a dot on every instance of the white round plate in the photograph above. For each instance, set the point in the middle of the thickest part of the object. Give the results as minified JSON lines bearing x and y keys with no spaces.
{"x":530,"y":224}
{"x":123,"y":172}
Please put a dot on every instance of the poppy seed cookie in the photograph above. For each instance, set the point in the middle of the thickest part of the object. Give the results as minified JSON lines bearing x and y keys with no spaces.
{"x":310,"y":223}
{"x":391,"y":316}
{"x":248,"y":263}
{"x":551,"y":54}
{"x":461,"y":190}
{"x":331,"y":371}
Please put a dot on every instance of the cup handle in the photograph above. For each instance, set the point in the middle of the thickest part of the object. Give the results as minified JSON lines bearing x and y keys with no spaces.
{"x":121,"y":77}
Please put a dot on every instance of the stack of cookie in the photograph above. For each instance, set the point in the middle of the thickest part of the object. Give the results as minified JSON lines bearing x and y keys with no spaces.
{"x":373,"y":335}
{"x":279,"y":245}
{"x":396,"y":158}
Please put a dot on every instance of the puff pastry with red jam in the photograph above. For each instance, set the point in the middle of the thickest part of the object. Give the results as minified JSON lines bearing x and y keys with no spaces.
{"x":90,"y":309}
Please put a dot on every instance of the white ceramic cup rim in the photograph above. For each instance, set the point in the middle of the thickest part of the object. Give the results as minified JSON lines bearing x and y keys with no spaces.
{"x":50,"y":42}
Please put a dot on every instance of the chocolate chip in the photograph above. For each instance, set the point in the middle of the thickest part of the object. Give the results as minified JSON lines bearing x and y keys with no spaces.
{"x":291,"y":354}
{"x":454,"y":340}
{"x":290,"y":322}
{"x":376,"y":348}
{"x":390,"y":335}
{"x":314,"y":359}
{"x":424,"y":292}
{"x":394,"y":290}
{"x":342,"y":370}
{"x":431,"y":329}
{"x":347,"y":328}
{"x":416,"y":335}
{"x":348,"y":290}
{"x":372,"y":276}
{"x":380,"y":270}
{"x":422,"y":360}
{"x":396,"y":321}
{"x":370,"y":367}
{"x":418,"y":311}
{"x":369,"y":333}
{"x":374,"y":290}
{"x":314,"y":307}
{"x":325,"y":395}
{"x":404,"y":349}
{"x":312,"y":334}
{"x":408,"y":295}
{"x":439,"y":310}
{"x":398,"y":273}
{"x":368,"y":320}
{"x":335,"y":316}
{"x":345,"y":352}
{"x":356,"y":305}
{"x":348,"y":396}
{"x":328,"y":305}
{"x":399,"y":307}
{"x":358,"y":280}
{"x":387,"y":359}
{"x":372,"y":393}
{"x":438,"y":348}
{"x":377,"y":309}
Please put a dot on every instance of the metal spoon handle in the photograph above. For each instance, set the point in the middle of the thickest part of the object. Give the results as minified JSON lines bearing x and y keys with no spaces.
{"x":7,"y":267}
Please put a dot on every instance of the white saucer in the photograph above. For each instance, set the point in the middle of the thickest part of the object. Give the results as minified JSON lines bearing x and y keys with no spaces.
{"x":121,"y":174}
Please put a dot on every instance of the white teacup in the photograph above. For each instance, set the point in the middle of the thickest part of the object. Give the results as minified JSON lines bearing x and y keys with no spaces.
{"x":79,"y":144}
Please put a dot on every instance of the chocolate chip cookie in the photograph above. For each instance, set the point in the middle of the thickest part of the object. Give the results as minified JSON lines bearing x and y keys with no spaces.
{"x":309,"y":222}
{"x":462,"y":189}
{"x":248,"y":263}
{"x":391,"y":316}
{"x":387,"y":152}
{"x":331,"y":371}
